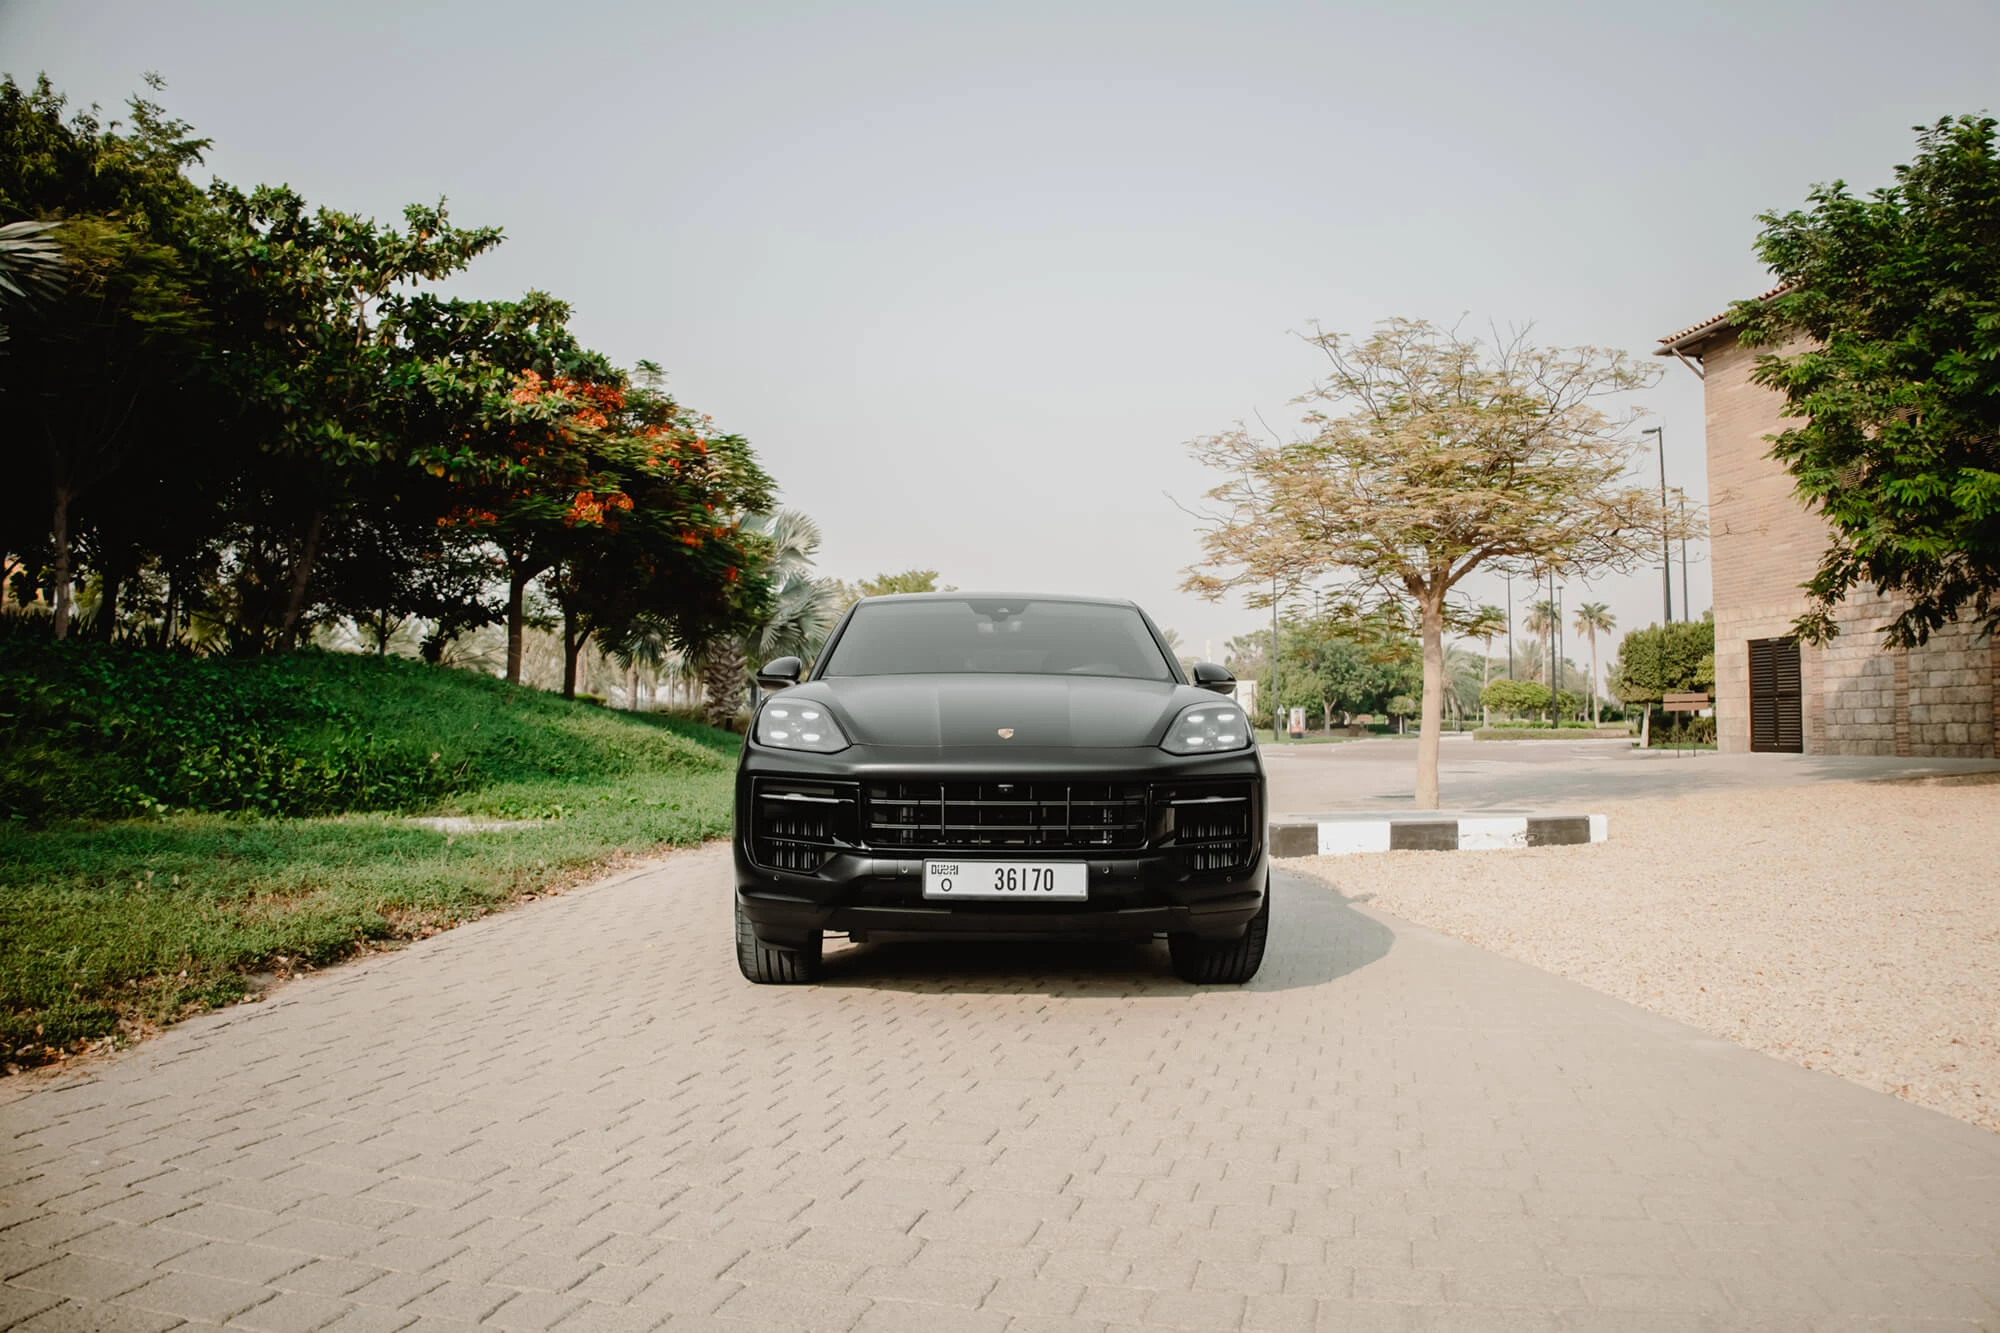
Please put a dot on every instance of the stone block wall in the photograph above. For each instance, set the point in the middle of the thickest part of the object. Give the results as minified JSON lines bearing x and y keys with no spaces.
{"x":1857,"y":689}
{"x":1858,"y":698}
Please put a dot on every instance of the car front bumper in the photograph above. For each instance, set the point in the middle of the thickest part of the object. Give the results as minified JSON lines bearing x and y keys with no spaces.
{"x":868,"y":891}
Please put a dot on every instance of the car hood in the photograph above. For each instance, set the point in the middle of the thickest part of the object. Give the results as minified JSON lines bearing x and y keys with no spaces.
{"x":1085,"y":712}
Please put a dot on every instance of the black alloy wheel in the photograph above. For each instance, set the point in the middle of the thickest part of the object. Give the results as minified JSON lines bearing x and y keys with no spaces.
{"x":1223,"y":962}
{"x":770,"y":964}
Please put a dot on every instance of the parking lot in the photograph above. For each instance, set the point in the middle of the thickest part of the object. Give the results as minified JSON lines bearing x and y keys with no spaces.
{"x":1521,"y":776}
{"x":576,"y":1116}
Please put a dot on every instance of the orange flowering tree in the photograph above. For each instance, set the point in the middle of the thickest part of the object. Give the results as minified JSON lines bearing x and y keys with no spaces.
{"x":626,"y":504}
{"x":668,"y":552}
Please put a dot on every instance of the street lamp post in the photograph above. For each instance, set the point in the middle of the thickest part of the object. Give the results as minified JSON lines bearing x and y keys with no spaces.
{"x":1666,"y":548}
{"x":1686,"y":614}
{"x":1555,"y":628}
{"x":1277,"y":714}
{"x":1510,"y":627}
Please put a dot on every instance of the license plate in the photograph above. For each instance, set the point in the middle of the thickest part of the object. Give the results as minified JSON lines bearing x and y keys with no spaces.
{"x":1059,"y":882}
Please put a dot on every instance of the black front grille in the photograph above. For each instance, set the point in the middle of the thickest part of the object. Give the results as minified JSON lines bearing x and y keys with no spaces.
{"x":1211,"y":824}
{"x":1011,"y":814}
{"x":797,"y":825}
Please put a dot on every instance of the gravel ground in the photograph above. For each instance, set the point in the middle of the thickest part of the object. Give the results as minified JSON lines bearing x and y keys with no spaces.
{"x":1850,"y":927}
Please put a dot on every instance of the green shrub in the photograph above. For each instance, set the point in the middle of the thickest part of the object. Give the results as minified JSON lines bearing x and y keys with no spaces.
{"x":110,"y":923}
{"x":1515,"y":696}
{"x":90,"y":731}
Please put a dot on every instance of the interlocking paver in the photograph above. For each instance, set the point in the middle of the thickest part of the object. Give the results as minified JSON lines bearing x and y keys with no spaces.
{"x":96,"y":1317}
{"x":292,"y":1312}
{"x":535,"y":1310}
{"x":192,"y":1296}
{"x":1387,"y":1129}
{"x":83,"y":1278}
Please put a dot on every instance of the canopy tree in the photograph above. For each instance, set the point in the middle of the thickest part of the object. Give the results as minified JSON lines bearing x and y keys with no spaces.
{"x":1425,"y":455}
{"x":326,"y":291}
{"x":1889,"y":325}
{"x":102,"y":329}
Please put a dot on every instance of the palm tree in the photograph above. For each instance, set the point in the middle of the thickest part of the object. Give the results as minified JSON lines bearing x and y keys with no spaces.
{"x":1487,"y":622}
{"x":1462,"y":686}
{"x":1590,"y":618}
{"x":1541,"y":621}
{"x":31,"y":265}
{"x":802,"y":611}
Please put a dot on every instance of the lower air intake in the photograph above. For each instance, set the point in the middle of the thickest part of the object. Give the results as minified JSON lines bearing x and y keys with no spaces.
{"x":798,"y":825}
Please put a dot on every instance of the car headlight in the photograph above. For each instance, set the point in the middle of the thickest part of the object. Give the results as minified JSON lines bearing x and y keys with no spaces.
{"x":790,"y":725}
{"x":1208,"y":729}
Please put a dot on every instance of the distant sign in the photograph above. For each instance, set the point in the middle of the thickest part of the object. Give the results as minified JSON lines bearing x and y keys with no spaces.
{"x":1295,"y":725}
{"x":1684,"y":703}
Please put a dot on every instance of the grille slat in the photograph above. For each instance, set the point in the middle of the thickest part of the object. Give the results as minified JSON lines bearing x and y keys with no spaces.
{"x":797,"y":825}
{"x":1211,"y":824}
{"x":1014,"y":814}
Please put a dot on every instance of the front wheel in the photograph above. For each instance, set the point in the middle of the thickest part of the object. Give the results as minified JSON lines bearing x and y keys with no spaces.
{"x":1223,"y":962}
{"x":770,"y":964}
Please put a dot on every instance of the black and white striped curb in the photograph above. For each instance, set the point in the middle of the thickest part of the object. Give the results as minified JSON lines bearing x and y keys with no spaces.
{"x":1431,"y":833}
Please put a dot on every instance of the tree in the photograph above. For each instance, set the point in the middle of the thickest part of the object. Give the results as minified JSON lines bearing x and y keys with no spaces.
{"x":1664,"y":659}
{"x":1427,"y":455}
{"x":888,"y":585}
{"x":910,"y":580}
{"x":1401,"y":707}
{"x":329,"y":371}
{"x":31,"y":266}
{"x":802,"y":607}
{"x":1541,"y":621}
{"x":1486,"y":623}
{"x":1891,"y":307}
{"x":1592,"y":617}
{"x":1464,"y":679}
{"x":1515,"y":696}
{"x":87,"y":356}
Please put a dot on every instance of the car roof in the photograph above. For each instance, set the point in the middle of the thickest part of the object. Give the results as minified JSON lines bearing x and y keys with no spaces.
{"x":969,"y":594}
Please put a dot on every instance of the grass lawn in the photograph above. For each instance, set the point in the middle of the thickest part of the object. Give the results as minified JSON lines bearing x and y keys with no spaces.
{"x":110,"y":925}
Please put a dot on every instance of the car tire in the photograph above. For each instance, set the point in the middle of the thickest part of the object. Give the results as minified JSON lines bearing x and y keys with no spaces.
{"x":1223,"y":962}
{"x":770,"y":964}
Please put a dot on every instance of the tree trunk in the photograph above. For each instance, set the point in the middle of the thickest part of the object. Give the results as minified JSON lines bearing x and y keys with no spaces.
{"x":1433,"y":714}
{"x":59,"y":529}
{"x":1646,"y":726}
{"x":1594,"y":718}
{"x":295,"y":600}
{"x":107,"y":603}
{"x":572,"y":649}
{"x":517,"y":592}
{"x":722,"y":683}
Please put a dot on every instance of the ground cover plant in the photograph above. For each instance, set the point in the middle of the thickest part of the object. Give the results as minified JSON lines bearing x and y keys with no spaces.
{"x":178,"y":829}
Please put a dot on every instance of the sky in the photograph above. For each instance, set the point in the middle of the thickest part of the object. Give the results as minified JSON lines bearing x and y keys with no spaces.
{"x":970,"y":277}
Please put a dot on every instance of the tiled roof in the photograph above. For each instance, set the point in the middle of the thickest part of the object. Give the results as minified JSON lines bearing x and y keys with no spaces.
{"x":1697,"y":333}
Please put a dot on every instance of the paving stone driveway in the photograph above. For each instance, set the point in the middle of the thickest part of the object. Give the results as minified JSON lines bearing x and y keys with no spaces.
{"x":576,"y":1116}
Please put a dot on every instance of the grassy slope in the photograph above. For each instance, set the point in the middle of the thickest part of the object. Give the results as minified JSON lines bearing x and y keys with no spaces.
{"x":110,"y":924}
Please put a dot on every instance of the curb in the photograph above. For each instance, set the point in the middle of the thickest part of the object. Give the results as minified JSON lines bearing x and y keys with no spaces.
{"x":1421,"y":833}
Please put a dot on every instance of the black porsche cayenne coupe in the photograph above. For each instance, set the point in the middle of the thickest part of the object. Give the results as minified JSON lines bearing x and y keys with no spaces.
{"x":973,"y":765}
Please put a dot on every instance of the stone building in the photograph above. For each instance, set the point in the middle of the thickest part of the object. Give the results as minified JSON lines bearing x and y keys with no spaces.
{"x":1852,"y":696}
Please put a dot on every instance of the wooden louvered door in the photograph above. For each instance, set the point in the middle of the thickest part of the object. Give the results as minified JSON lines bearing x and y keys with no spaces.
{"x":1777,"y":719}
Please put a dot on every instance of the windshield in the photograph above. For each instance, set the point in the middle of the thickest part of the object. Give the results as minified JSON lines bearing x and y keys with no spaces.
{"x":984,"y":634}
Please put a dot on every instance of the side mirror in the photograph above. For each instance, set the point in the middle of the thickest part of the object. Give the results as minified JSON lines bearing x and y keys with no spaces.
{"x":1209,"y":676}
{"x":778,"y":674}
